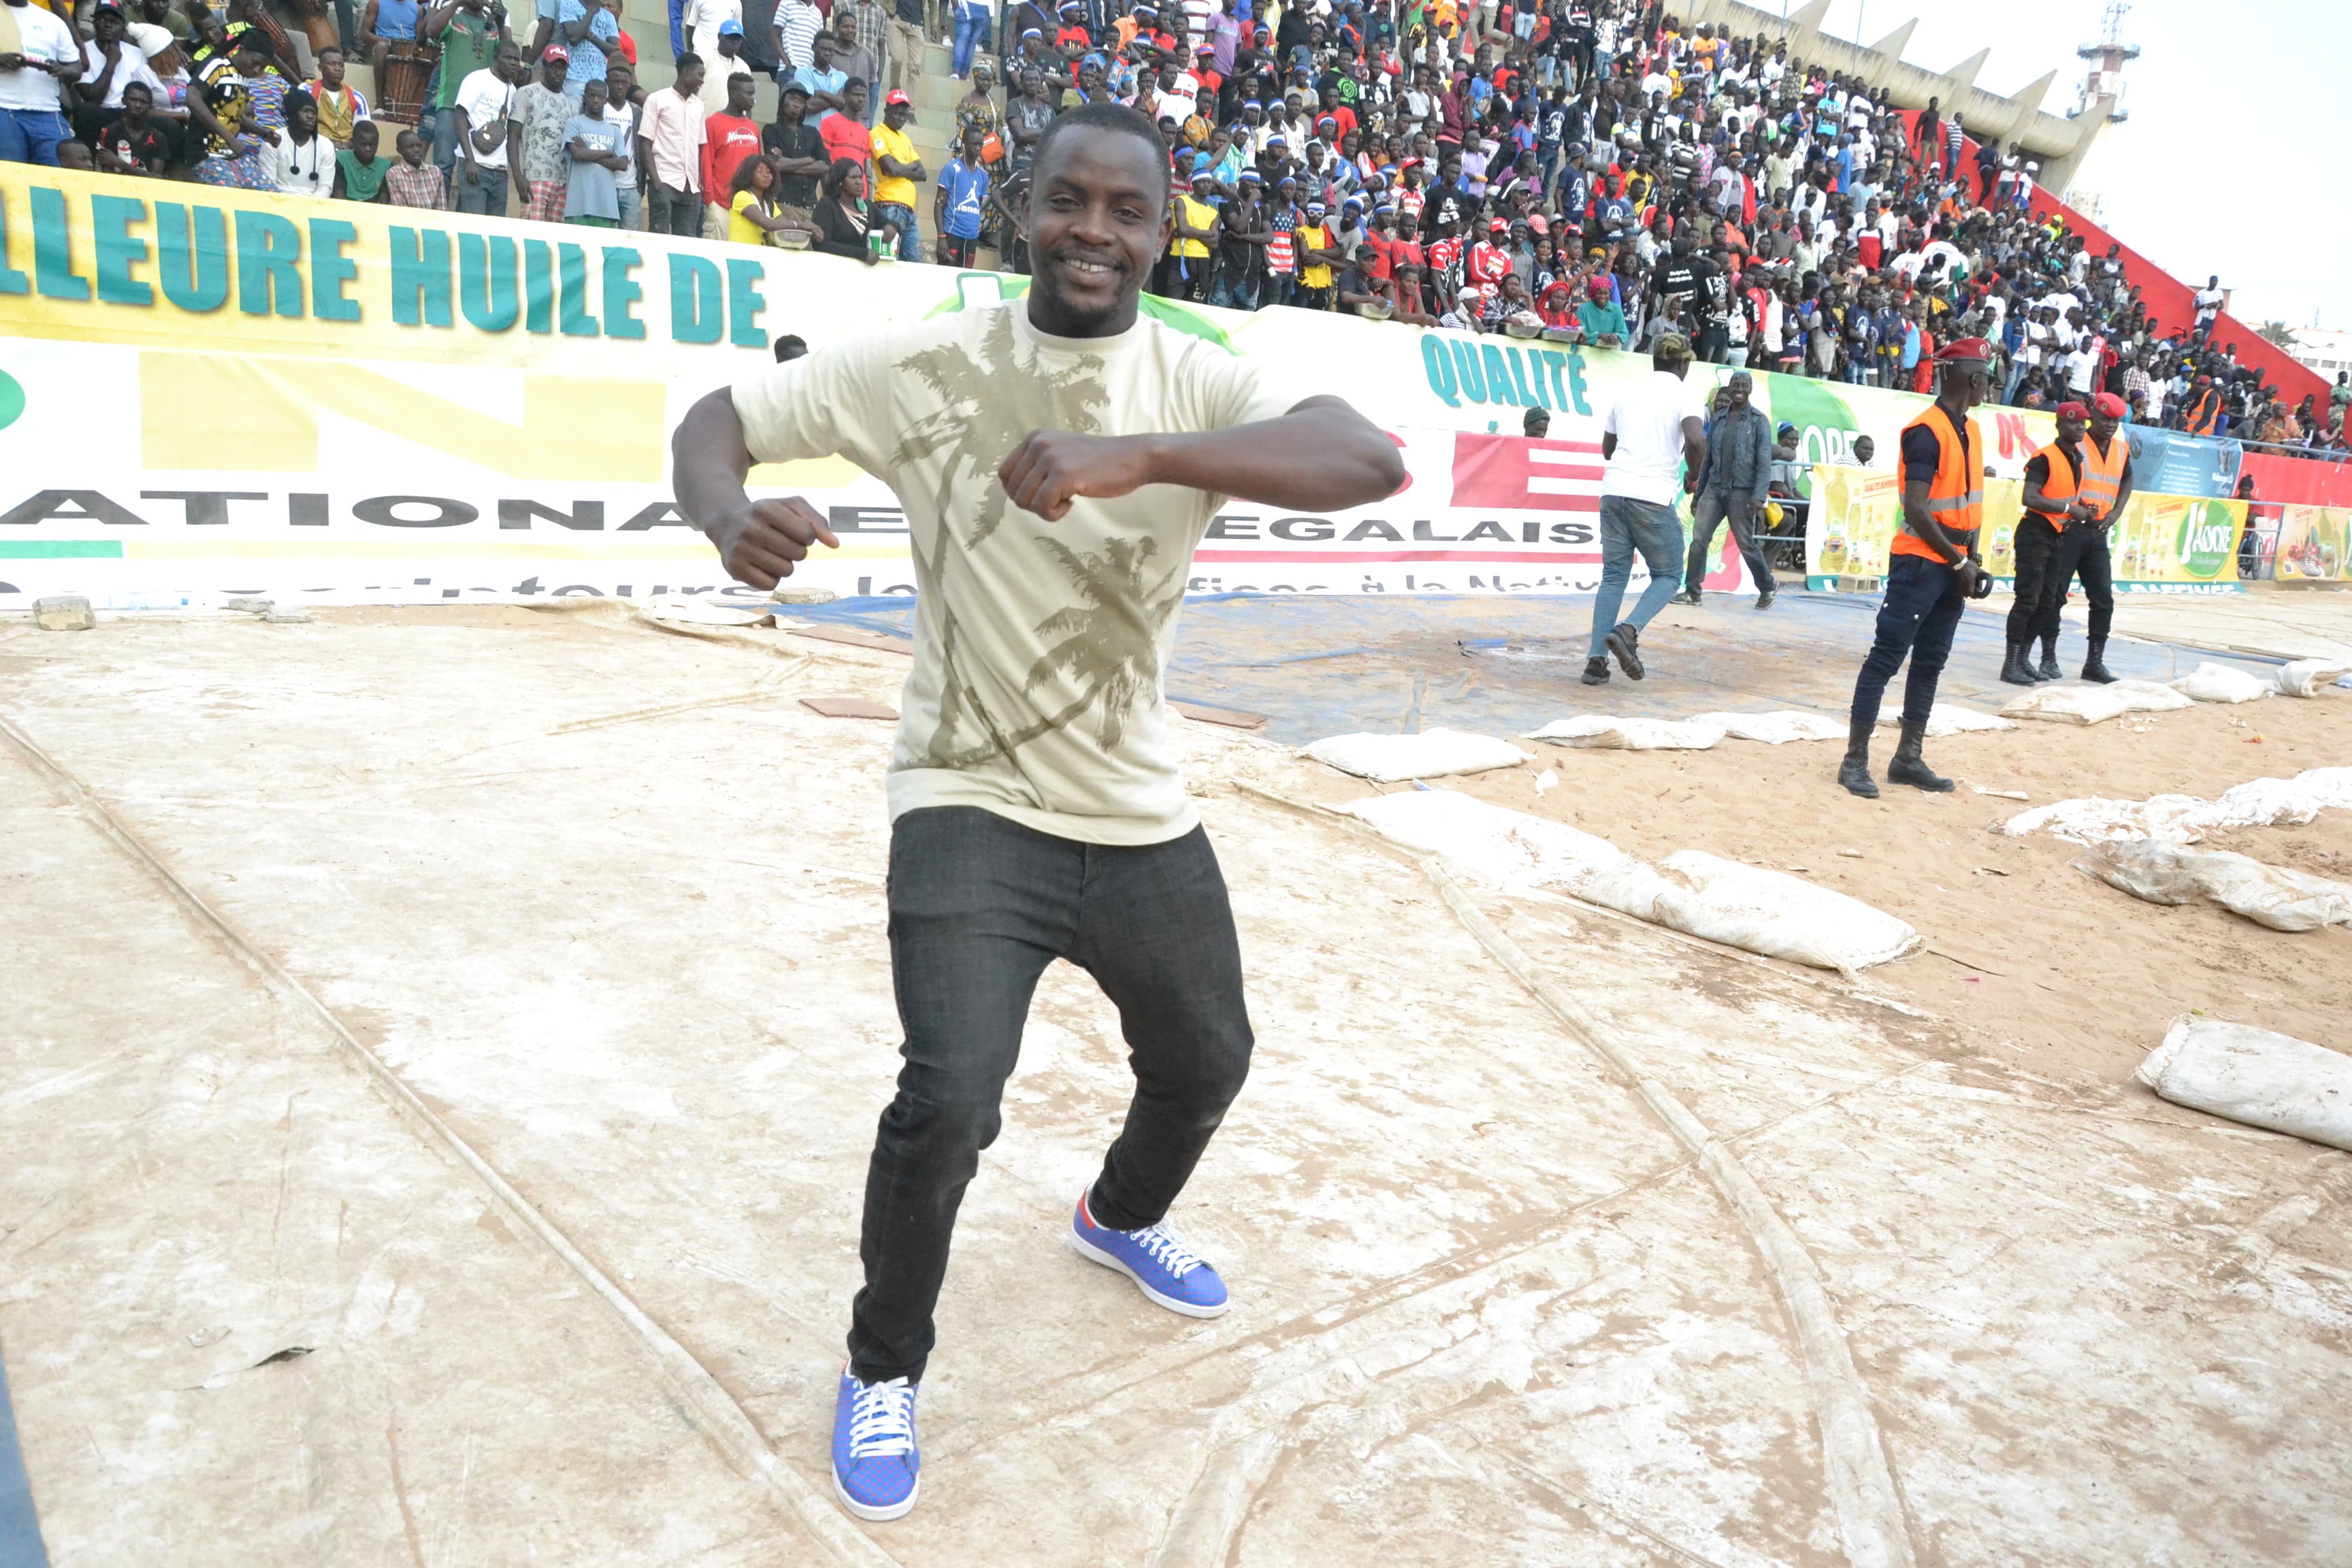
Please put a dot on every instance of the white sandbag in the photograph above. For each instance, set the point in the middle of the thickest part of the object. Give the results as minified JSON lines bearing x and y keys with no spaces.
{"x":2256,"y":1077}
{"x":1775,"y":729}
{"x":2150,"y":697}
{"x":2310,"y":677}
{"x":2222,"y":683}
{"x":2068,"y":704}
{"x":1598,"y":731}
{"x":2185,"y":818}
{"x":1433,"y":753}
{"x":1952,"y":719}
{"x":1742,"y":906}
{"x":2097,"y":819}
{"x":2276,"y":896}
{"x":1512,"y":848}
{"x":1776,"y":914}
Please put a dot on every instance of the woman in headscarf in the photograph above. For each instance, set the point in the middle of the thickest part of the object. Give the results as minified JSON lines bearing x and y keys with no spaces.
{"x":239,"y":106}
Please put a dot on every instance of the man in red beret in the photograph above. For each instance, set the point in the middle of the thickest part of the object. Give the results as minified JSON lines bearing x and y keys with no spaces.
{"x":2103,"y":489}
{"x":2053,"y":501}
{"x":1933,"y":570}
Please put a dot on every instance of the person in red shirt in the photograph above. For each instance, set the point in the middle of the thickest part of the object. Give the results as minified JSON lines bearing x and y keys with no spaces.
{"x":1211,"y":80}
{"x":845,"y":134}
{"x":727,"y":140}
{"x":1490,"y":259}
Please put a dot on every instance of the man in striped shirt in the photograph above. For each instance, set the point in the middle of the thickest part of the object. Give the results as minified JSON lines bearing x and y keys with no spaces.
{"x":798,"y":22}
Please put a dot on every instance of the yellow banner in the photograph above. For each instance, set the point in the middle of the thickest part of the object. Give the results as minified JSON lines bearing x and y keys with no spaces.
{"x":2161,"y":543}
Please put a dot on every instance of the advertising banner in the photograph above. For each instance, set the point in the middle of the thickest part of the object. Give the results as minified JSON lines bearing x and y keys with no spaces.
{"x":2169,"y":463}
{"x":2162,"y":543}
{"x":2315,"y":545}
{"x":205,"y":391}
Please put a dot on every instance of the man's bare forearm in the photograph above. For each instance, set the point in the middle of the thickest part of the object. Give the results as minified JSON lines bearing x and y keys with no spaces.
{"x":708,"y":460}
{"x":1322,"y":455}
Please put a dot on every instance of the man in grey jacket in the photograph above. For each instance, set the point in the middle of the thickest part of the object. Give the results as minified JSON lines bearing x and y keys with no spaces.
{"x":1731,"y":486}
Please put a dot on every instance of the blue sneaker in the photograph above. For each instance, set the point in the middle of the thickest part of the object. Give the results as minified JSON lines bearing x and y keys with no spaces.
{"x":875,"y":1470}
{"x":1156,"y":1258}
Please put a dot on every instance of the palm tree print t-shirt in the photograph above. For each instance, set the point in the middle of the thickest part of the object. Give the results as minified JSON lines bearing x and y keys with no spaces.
{"x":1039,"y":646}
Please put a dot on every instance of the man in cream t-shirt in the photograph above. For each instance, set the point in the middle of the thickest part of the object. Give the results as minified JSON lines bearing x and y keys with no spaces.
{"x":1058,"y":459}
{"x":1651,"y":433}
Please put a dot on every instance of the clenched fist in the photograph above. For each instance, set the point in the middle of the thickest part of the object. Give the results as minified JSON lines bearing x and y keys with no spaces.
{"x":759,"y":543}
{"x":1050,"y":469}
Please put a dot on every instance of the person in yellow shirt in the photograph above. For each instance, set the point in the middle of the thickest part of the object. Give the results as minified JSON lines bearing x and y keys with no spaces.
{"x":1184,"y":270}
{"x":897,"y":173}
{"x":1315,"y":253}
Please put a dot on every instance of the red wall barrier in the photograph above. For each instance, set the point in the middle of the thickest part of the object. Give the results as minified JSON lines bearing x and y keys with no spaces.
{"x":2298,"y":481}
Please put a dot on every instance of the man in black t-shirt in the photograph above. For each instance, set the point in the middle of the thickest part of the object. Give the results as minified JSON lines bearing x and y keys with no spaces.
{"x":133,"y":141}
{"x":1680,"y":280}
{"x":798,"y":150}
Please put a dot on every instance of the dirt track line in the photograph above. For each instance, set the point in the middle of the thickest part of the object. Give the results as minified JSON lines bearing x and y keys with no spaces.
{"x":709,"y":1408}
{"x":1862,"y":1485}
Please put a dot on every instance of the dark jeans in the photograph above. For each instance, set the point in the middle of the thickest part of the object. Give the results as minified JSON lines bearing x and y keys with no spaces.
{"x":2081,"y":552}
{"x":2036,"y":549}
{"x":1918,"y":615}
{"x":1738,"y":511}
{"x":979,"y":906}
{"x":671,"y":211}
{"x":488,"y":198}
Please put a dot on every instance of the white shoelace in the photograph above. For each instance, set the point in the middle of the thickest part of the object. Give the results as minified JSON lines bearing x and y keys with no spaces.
{"x":882,"y":1419}
{"x":1167,"y":1248}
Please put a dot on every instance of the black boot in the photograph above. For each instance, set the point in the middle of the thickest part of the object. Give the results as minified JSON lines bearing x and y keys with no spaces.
{"x":2012,"y":667}
{"x":2093,"y":666}
{"x":1855,"y":772}
{"x":1908,"y":766}
{"x":2049,"y":668}
{"x":1596,"y":671}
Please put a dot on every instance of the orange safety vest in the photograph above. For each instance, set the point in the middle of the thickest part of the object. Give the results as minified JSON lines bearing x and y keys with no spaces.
{"x":1955,"y":495}
{"x":2103,"y":473}
{"x":2062,"y":486}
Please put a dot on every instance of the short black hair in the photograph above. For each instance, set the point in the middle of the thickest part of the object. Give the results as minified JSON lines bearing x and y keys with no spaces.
{"x":1104,"y":116}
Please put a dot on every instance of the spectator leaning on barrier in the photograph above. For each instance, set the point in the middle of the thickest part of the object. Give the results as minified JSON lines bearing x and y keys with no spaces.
{"x":539,"y":164}
{"x":669,"y":152}
{"x":468,"y":33}
{"x":592,"y":143}
{"x":33,"y":86}
{"x":960,"y":202}
{"x":413,"y":181}
{"x":897,"y":173}
{"x":303,"y":161}
{"x":727,"y":138}
{"x":797,"y":150}
{"x":361,"y":168}
{"x":484,"y":114}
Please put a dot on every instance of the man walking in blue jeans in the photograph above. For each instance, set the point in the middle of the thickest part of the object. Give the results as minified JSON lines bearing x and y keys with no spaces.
{"x":1058,"y":458}
{"x":1654,"y":444}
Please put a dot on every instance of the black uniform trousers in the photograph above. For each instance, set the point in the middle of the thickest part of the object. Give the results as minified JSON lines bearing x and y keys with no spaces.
{"x":2082,"y":552}
{"x":2035,"y":546}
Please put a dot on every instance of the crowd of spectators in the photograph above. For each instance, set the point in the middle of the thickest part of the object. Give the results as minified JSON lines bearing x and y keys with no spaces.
{"x":1597,"y":173}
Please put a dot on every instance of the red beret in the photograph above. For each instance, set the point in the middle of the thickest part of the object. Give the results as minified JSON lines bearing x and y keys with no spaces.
{"x":1975,"y":349}
{"x":2071,"y":410}
{"x":2109,"y":405}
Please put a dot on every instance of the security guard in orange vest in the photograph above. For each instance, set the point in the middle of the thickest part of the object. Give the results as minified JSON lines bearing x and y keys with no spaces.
{"x":2104,"y":488}
{"x":2052,"y":481}
{"x":1934,"y":570}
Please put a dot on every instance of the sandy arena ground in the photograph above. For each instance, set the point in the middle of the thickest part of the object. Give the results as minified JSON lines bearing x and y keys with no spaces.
{"x":443,"y":1046}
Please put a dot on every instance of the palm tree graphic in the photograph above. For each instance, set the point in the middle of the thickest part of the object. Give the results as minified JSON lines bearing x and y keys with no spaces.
{"x":1111,"y":648}
{"x":987,"y":402}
